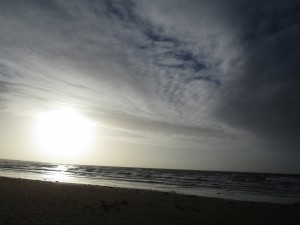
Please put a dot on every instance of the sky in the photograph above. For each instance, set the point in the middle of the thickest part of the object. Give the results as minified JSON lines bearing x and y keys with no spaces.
{"x":195,"y":84}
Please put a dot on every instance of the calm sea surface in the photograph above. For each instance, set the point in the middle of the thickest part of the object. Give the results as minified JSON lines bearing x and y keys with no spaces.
{"x":282,"y":188}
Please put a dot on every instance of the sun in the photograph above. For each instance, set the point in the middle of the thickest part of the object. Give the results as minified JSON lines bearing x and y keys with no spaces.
{"x":63,"y":133}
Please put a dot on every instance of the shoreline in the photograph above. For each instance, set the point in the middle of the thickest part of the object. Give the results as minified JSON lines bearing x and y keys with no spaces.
{"x":225,"y":185}
{"x":25,"y":201}
{"x":209,"y":193}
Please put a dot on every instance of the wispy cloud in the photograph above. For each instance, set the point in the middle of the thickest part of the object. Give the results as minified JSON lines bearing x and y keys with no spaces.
{"x":105,"y":55}
{"x":196,"y":68}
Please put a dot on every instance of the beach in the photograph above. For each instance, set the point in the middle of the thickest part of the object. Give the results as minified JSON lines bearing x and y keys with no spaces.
{"x":41,"y":202}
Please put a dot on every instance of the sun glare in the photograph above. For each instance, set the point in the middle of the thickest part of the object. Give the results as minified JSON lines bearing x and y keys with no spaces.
{"x":63,"y":133}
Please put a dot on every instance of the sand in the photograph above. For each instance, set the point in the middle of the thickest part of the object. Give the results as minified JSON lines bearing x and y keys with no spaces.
{"x":39,"y":202}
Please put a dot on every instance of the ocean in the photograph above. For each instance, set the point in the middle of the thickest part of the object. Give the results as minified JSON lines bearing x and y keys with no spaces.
{"x":262,"y":187}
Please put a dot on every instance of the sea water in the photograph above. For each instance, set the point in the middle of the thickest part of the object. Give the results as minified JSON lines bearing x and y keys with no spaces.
{"x":264,"y":187}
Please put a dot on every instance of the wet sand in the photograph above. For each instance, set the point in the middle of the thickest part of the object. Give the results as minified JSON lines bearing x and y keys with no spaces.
{"x":38,"y":202}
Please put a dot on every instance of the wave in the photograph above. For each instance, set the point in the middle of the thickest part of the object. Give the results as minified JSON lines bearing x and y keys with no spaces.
{"x":187,"y":181}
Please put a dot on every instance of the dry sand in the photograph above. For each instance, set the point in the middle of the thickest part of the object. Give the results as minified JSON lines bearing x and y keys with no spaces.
{"x":37,"y":202}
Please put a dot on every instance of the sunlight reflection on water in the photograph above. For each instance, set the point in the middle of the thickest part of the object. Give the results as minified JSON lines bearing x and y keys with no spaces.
{"x":58,"y":174}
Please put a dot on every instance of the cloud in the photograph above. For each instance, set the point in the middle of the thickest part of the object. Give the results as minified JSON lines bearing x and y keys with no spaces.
{"x":262,"y":94}
{"x":195,"y":68}
{"x":82,"y":53}
{"x":252,"y":51}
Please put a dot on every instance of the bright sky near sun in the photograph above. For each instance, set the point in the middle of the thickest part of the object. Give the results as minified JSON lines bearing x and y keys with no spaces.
{"x":63,"y":133}
{"x":208,"y":84}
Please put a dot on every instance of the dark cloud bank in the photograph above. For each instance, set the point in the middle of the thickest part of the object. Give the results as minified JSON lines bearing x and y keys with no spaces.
{"x":196,"y":68}
{"x":264,"y":96}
